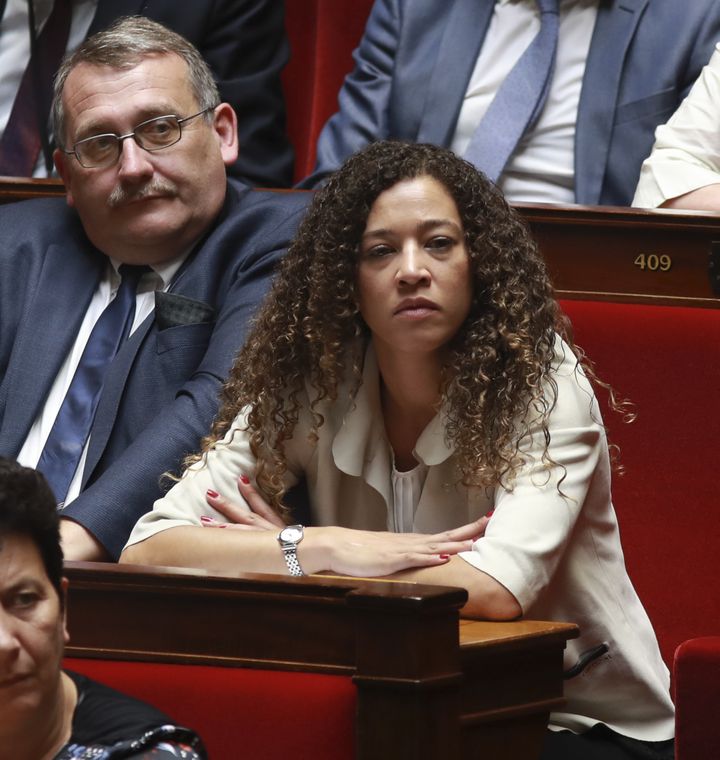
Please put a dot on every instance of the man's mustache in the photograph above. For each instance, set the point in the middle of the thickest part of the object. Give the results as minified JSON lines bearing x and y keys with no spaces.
{"x":160,"y":187}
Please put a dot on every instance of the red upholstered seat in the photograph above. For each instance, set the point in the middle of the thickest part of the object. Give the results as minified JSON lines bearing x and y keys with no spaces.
{"x":697,"y":696}
{"x":322,"y":34}
{"x":241,"y":712}
{"x":667,"y":360}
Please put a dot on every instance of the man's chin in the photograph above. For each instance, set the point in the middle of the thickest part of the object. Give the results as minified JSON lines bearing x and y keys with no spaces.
{"x":149,"y":241}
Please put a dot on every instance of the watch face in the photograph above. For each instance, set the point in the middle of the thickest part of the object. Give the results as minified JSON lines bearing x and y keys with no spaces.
{"x":292,"y":534}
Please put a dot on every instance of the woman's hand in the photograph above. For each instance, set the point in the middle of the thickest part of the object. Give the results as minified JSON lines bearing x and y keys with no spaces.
{"x":260,"y":517}
{"x":367,"y":553}
{"x":346,"y":551}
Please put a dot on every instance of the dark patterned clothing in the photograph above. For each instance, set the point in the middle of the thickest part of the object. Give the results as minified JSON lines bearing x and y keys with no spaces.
{"x":108,"y":725}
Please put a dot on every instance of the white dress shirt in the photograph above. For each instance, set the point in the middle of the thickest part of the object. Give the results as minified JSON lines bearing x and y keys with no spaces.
{"x":407,"y":487}
{"x":542,"y":169}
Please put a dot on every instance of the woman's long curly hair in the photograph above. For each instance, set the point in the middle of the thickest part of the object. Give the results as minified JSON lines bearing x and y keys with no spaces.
{"x":497,"y":374}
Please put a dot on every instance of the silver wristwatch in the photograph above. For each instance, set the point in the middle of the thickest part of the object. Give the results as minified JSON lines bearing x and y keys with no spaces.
{"x":289,"y":538}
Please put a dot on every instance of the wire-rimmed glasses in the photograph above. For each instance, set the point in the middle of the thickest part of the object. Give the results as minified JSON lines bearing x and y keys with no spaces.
{"x":101,"y":151}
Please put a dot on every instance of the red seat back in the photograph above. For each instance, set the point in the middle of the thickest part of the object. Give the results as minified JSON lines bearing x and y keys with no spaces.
{"x":667,"y":360}
{"x":322,"y":34}
{"x":240,"y":712}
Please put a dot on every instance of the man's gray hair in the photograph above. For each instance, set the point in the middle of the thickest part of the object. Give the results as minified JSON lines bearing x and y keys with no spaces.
{"x":125,"y":44}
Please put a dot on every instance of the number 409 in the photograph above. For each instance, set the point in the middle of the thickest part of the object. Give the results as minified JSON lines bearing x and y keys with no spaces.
{"x":653,"y":262}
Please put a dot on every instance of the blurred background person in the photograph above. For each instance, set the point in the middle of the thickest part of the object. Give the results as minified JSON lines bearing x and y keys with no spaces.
{"x":683,"y":170}
{"x":555,"y":100}
{"x":243,"y":42}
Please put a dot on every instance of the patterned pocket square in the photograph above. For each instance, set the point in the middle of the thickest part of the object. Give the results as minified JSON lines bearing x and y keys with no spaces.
{"x":173,"y":310}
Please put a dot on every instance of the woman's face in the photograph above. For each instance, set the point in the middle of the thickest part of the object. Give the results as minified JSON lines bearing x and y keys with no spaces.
{"x":414,"y":279}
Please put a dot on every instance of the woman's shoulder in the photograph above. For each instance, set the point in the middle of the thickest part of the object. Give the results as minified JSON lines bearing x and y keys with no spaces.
{"x":574,"y":399}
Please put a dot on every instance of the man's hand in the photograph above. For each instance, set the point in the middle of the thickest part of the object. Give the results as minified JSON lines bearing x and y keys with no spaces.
{"x":79,"y":544}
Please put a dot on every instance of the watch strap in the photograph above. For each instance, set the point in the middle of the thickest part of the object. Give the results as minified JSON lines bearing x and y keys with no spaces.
{"x":291,"y":560}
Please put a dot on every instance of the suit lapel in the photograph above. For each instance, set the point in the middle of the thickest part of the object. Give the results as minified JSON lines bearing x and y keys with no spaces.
{"x":459,"y":43}
{"x":614,"y":29}
{"x":65,"y":287}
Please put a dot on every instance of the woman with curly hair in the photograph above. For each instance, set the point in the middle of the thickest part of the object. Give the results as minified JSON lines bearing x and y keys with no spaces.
{"x":412,"y":365}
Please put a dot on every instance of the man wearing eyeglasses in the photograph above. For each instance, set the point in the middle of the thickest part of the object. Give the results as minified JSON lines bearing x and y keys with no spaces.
{"x":120,"y":312}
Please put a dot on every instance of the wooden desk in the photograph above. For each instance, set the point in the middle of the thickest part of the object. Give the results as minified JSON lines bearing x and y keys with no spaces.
{"x":22,"y":189}
{"x":624,"y":254}
{"x":427,"y":686}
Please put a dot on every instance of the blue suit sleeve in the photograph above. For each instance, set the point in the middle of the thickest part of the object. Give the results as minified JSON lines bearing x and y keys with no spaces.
{"x":703,"y":46}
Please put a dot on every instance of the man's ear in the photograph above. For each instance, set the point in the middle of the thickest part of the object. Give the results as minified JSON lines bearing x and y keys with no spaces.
{"x":63,"y":169}
{"x":225,"y":126}
{"x":63,"y":589}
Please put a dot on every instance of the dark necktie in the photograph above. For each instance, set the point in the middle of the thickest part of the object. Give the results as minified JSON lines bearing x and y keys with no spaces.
{"x":69,"y":433}
{"x":22,"y":138}
{"x":520,"y":99}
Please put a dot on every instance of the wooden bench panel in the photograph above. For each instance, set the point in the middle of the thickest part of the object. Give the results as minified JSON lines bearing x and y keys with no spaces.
{"x":400,"y":643}
{"x":21,"y":189}
{"x":631,"y":255}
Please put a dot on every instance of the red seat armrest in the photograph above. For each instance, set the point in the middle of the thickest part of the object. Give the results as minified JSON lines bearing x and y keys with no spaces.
{"x":696,"y":672}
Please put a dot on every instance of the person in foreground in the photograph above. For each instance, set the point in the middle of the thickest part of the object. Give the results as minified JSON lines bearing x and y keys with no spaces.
{"x":46,"y":712}
{"x":122,"y":309}
{"x":412,"y":364}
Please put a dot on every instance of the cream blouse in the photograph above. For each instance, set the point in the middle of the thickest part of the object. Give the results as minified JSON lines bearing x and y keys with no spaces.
{"x":557,"y":550}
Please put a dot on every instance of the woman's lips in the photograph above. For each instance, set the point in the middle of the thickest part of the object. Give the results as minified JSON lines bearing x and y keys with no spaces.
{"x":415,"y":307}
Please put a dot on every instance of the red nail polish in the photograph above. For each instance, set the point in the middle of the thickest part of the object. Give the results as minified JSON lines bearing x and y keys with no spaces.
{"x":444,"y":556}
{"x":206,"y":519}
{"x":212,"y":494}
{"x":245,"y":480}
{"x":490,"y":513}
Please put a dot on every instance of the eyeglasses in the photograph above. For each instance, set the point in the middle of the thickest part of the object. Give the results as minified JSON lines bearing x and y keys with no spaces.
{"x":101,"y":151}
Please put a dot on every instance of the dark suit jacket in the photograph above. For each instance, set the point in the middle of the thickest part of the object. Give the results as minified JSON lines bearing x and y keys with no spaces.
{"x":416,"y":58}
{"x":245,"y":45}
{"x":161,"y":393}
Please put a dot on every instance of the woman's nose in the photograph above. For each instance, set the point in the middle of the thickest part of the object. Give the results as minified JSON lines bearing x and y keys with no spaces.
{"x":412,"y":267}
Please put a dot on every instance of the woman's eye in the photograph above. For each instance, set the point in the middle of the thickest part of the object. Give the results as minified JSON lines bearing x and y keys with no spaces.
{"x":439,"y":243}
{"x":378,"y":251}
